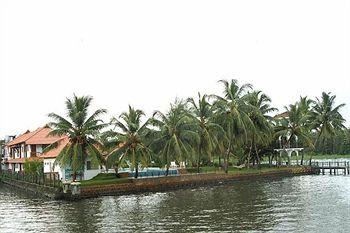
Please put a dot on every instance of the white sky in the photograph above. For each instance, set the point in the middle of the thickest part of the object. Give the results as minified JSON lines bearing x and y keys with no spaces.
{"x":145,"y":53}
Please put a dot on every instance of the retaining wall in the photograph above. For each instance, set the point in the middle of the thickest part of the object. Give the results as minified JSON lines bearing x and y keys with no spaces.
{"x":182,"y":181}
{"x":155,"y":184}
{"x":41,"y":190}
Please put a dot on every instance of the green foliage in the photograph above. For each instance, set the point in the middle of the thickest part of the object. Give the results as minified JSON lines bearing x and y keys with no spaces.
{"x":33,"y":167}
{"x":127,"y":141}
{"x":237,"y":127}
{"x":209,"y":132}
{"x":326,"y":116}
{"x":81,"y":130}
{"x":175,"y":134}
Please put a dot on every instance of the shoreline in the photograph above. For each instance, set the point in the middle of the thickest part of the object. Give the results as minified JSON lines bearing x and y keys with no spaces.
{"x":155,"y":184}
{"x":170,"y":183}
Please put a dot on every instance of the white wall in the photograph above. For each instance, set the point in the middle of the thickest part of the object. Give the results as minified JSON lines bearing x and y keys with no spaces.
{"x":88,"y":174}
{"x":28,"y":151}
{"x":17,"y":167}
{"x":49,"y":167}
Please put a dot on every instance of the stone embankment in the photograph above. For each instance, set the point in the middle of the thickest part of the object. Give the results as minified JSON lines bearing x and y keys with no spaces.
{"x":155,"y":184}
{"x":40,"y":190}
{"x":183,"y":181}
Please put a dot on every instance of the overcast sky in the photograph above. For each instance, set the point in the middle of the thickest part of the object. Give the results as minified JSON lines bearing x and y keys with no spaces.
{"x":146,"y":53}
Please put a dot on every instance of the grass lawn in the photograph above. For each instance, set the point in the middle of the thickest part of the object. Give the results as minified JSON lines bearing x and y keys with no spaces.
{"x":234,"y":170}
{"x":104,"y":179}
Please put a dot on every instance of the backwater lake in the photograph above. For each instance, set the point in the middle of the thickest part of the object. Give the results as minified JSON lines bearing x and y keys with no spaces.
{"x":308,"y":203}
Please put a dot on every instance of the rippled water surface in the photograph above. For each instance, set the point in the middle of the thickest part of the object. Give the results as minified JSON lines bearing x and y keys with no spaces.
{"x":293,"y":204}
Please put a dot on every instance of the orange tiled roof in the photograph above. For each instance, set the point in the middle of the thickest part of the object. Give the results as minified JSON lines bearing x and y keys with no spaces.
{"x":54,"y":152}
{"x":42,"y":137}
{"x":37,"y":137}
{"x":22,"y":160}
{"x":21,"y":138}
{"x":281,"y":115}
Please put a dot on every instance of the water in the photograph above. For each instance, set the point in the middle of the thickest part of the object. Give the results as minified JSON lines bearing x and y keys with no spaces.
{"x":294,"y":204}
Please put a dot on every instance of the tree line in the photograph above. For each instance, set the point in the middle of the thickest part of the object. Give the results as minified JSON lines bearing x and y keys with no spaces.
{"x":209,"y":129}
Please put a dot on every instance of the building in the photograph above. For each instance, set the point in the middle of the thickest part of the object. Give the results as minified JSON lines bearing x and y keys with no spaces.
{"x":29,"y":145}
{"x":90,"y":169}
{"x":4,"y":156}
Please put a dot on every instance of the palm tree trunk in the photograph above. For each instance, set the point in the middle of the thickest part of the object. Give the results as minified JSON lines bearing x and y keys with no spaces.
{"x":250,"y":150}
{"x":74,"y":176}
{"x":227,"y":156}
{"x":318,"y":137}
{"x":302,"y":158}
{"x":136,"y":164}
{"x":116,"y":170}
{"x":257,"y":156}
{"x":198,"y":161}
{"x":167,"y":166}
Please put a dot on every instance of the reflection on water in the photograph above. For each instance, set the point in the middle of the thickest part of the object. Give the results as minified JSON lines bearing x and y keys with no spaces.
{"x":297,"y":204}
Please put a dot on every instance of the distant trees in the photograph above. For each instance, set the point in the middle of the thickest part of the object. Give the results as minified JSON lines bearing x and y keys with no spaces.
{"x":336,"y":144}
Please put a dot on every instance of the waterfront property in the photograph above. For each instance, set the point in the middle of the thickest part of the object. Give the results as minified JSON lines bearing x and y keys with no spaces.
{"x":30,"y":146}
{"x":27,"y":146}
{"x":90,"y":169}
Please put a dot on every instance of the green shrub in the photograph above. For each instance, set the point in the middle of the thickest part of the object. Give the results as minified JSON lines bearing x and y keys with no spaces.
{"x":33,"y":167}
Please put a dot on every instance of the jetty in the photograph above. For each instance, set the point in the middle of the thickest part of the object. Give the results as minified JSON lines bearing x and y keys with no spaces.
{"x":334,"y":167}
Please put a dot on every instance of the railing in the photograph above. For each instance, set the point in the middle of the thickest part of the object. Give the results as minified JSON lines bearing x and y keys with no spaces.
{"x":332,"y":167}
{"x":49,"y":179}
{"x":331,"y":164}
{"x":291,"y":163}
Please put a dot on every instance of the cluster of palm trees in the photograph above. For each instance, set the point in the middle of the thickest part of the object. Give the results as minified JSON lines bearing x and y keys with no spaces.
{"x":209,"y":129}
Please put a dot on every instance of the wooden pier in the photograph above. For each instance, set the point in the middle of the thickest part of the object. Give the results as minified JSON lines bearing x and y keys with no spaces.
{"x":335,"y":168}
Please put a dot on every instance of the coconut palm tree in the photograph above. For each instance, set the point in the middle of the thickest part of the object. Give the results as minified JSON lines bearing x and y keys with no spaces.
{"x":81,"y":130}
{"x":176,"y":134}
{"x":261,"y":133}
{"x":326,"y":117}
{"x":232,"y":114}
{"x":209,"y":131}
{"x":293,"y":127}
{"x":305,"y":105}
{"x":129,"y":140}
